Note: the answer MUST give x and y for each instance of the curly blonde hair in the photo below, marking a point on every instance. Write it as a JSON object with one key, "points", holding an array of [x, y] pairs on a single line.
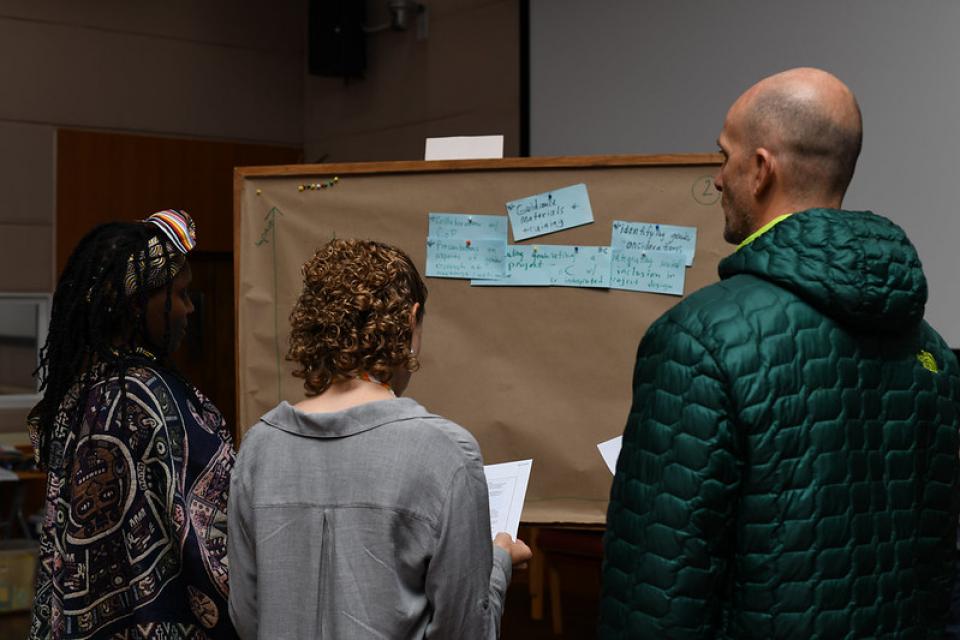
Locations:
{"points": [[353, 315]]}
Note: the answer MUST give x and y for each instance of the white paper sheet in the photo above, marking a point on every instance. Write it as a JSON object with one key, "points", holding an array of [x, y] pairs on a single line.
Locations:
{"points": [[464, 148], [507, 486], [610, 450]]}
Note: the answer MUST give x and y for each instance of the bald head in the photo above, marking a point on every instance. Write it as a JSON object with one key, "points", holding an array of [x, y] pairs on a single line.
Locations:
{"points": [[811, 120]]}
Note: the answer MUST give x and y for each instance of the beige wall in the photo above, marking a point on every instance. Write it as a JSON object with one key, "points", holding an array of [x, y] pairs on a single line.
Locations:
{"points": [[463, 79], [215, 69], [26, 226], [26, 217], [236, 71]]}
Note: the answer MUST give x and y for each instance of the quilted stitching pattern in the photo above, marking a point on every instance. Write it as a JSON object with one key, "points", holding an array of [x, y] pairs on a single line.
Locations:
{"points": [[785, 472], [855, 266]]}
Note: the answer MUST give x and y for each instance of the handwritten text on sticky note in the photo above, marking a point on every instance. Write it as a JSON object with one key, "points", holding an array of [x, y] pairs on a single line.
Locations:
{"points": [[649, 236], [650, 271], [524, 268], [554, 265], [466, 226], [583, 267], [551, 211], [451, 258]]}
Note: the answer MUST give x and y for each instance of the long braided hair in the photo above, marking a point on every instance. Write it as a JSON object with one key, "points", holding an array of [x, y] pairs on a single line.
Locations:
{"points": [[98, 318]]}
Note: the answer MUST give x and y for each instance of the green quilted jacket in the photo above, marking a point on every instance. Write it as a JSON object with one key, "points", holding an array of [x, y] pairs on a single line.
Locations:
{"points": [[790, 461]]}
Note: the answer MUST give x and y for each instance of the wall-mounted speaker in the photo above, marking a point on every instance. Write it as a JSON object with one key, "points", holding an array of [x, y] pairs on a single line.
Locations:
{"points": [[336, 40]]}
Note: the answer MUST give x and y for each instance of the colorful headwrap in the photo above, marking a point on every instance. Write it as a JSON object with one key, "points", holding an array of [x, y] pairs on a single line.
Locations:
{"points": [[178, 226], [166, 252]]}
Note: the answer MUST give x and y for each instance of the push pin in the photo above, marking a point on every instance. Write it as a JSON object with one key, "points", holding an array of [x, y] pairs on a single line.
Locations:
{"points": [[469, 243], [315, 186], [259, 191], [536, 248]]}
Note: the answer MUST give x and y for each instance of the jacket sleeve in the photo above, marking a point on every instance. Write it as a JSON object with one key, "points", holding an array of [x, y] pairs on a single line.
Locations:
{"points": [[672, 505], [242, 552], [467, 576]]}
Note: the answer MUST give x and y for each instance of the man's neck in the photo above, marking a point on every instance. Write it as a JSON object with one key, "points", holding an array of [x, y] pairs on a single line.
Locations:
{"points": [[779, 206]]}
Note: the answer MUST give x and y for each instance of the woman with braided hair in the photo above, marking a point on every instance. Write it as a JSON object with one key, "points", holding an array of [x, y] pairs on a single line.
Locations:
{"points": [[133, 541]]}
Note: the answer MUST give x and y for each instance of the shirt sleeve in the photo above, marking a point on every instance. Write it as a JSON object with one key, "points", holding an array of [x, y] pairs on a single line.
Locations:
{"points": [[242, 553], [672, 504], [467, 576]]}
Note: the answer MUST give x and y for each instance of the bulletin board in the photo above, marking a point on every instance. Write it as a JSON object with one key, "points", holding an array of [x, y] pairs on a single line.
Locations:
{"points": [[533, 372]]}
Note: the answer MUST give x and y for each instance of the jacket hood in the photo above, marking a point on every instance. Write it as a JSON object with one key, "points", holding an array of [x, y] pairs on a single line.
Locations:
{"points": [[854, 266]]}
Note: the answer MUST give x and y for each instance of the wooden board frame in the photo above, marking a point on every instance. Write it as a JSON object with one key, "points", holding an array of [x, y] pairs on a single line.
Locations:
{"points": [[566, 486]]}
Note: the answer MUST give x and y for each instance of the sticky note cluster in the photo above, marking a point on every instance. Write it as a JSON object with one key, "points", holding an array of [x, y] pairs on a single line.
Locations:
{"points": [[642, 256]]}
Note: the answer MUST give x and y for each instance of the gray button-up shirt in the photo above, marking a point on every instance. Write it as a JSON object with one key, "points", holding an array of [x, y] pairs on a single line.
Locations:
{"points": [[371, 522]]}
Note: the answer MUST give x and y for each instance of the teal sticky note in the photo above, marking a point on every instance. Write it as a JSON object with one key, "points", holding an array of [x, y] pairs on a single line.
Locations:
{"points": [[551, 211], [466, 226], [583, 267], [554, 265], [454, 258], [525, 265], [650, 271], [650, 236]]}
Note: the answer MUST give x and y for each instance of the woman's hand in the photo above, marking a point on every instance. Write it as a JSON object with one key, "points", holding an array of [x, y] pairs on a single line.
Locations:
{"points": [[518, 549]]}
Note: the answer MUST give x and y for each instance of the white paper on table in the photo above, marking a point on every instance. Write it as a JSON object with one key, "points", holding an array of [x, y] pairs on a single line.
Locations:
{"points": [[464, 148], [507, 486], [610, 450]]}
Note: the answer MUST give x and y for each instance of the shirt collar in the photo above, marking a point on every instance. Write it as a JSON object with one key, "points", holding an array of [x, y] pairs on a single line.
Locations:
{"points": [[339, 424]]}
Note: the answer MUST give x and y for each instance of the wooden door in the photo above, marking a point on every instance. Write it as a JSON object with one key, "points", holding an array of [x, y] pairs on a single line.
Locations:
{"points": [[107, 176]]}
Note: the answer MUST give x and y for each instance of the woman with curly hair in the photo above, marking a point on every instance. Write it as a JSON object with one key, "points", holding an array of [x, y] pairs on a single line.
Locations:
{"points": [[356, 513], [138, 462]]}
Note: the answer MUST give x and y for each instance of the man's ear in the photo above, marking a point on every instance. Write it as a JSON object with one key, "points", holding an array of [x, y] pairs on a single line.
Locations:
{"points": [[764, 170]]}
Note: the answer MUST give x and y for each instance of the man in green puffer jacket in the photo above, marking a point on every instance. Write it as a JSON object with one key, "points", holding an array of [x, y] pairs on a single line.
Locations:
{"points": [[789, 465]]}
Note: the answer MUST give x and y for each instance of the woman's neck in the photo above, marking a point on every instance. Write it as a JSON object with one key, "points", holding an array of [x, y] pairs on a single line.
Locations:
{"points": [[345, 394]]}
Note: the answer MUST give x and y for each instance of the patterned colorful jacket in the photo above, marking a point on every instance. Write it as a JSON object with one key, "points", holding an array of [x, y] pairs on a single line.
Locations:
{"points": [[790, 462], [133, 543]]}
